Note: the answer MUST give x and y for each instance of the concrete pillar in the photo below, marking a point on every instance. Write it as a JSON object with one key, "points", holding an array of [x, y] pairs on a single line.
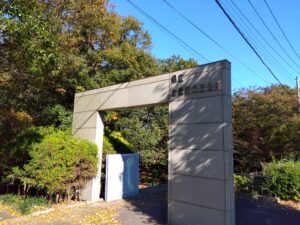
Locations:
{"points": [[200, 150], [90, 126]]}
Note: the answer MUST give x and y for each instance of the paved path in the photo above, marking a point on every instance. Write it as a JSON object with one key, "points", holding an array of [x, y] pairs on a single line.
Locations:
{"points": [[250, 211], [150, 207], [5, 216]]}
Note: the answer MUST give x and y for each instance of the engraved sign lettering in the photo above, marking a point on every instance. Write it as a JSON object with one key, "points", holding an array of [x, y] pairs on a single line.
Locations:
{"points": [[195, 88], [202, 88], [180, 78], [173, 79]]}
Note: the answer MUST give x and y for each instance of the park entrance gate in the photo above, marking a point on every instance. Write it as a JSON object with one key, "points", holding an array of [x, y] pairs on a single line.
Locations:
{"points": [[200, 180]]}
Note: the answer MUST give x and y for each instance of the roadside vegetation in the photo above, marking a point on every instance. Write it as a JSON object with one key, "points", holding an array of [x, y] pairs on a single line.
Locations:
{"points": [[19, 205]]}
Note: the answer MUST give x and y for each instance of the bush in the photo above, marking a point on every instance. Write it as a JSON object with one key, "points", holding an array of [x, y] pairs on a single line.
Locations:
{"points": [[115, 143], [57, 163], [241, 183], [284, 180], [24, 205]]}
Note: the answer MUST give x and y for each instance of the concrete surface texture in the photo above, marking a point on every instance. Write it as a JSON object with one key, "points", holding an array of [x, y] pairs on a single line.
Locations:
{"points": [[200, 154], [200, 139]]}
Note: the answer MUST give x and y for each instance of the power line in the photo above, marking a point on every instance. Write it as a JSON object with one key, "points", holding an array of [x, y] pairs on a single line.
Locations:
{"points": [[237, 82], [164, 29], [212, 39], [280, 28], [255, 41], [271, 33], [254, 28], [259, 45], [250, 45]]}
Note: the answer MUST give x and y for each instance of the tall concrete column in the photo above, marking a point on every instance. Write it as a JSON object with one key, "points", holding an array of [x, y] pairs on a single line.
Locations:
{"points": [[200, 149], [90, 126]]}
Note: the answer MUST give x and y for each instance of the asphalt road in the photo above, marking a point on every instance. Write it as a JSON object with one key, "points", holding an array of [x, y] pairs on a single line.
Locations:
{"points": [[150, 207], [5, 216]]}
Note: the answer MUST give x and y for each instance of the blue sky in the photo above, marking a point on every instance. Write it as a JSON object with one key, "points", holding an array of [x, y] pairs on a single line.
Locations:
{"points": [[207, 15]]}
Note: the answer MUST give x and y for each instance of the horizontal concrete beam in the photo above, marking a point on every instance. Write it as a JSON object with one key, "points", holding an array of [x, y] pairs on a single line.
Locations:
{"points": [[149, 91]]}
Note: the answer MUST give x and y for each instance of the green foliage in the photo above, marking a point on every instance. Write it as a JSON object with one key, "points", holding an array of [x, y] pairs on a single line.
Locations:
{"points": [[284, 179], [265, 126], [49, 51], [120, 144], [17, 152], [24, 205], [58, 116], [60, 163], [108, 148], [115, 143], [49, 159], [175, 63], [241, 183], [146, 129], [29, 56]]}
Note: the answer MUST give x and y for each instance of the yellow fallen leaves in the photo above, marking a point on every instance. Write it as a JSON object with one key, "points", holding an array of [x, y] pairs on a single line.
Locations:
{"points": [[9, 210], [84, 214], [289, 203], [105, 216]]}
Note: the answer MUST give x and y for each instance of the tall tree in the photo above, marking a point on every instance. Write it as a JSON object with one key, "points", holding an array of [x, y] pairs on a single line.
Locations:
{"points": [[28, 59], [53, 48], [266, 126]]}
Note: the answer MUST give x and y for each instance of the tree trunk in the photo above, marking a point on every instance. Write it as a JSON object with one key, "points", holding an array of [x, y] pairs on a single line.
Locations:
{"points": [[24, 189], [57, 197], [19, 189]]}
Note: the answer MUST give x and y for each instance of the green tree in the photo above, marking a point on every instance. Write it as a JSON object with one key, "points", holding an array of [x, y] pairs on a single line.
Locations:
{"points": [[52, 160], [28, 59], [265, 126], [175, 63], [52, 49]]}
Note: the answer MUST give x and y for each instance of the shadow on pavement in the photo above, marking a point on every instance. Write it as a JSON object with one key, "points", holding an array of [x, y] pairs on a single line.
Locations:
{"points": [[262, 211], [150, 207]]}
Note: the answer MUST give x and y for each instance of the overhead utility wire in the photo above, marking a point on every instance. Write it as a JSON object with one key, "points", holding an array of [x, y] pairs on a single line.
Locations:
{"points": [[271, 33], [238, 82], [253, 49], [251, 24], [280, 28], [183, 43], [213, 40], [261, 48]]}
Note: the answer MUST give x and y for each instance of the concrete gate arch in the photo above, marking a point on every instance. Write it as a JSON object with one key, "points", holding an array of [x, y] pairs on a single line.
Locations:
{"points": [[200, 180]]}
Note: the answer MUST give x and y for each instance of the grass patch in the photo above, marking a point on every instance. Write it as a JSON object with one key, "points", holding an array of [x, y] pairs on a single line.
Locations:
{"points": [[24, 205]]}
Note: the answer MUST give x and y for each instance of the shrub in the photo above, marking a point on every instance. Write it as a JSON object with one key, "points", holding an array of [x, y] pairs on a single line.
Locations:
{"points": [[24, 205], [241, 183], [284, 179], [114, 142], [57, 162]]}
